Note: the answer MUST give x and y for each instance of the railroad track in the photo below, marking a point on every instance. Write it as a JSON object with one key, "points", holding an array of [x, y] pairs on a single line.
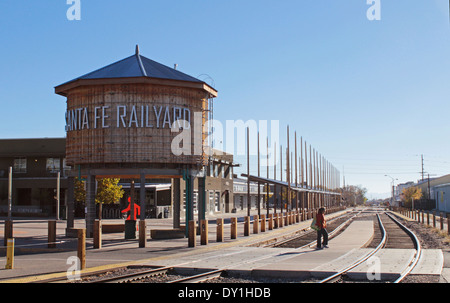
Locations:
{"points": [[309, 238], [201, 277], [392, 236], [162, 271], [135, 276]]}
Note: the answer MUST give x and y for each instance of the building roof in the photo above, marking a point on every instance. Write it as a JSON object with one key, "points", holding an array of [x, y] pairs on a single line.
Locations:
{"points": [[33, 147], [135, 66]]}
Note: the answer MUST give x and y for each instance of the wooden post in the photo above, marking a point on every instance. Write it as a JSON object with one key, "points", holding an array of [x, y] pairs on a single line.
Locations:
{"points": [[255, 224], [203, 232], [51, 234], [8, 231], [434, 219], [191, 233], [97, 234], [441, 217], [233, 228], [142, 233], [82, 247], [219, 235], [263, 223], [448, 224], [270, 221], [428, 218], [247, 226]]}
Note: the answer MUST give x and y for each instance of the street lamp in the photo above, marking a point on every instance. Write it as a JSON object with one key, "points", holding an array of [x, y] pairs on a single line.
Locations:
{"points": [[393, 180]]}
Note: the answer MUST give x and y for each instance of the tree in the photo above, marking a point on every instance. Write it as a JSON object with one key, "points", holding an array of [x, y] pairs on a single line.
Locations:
{"points": [[354, 195], [108, 191], [410, 193], [80, 190]]}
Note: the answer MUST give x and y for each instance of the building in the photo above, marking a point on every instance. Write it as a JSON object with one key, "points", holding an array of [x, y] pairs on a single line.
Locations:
{"points": [[433, 193], [240, 201], [36, 162], [398, 192], [441, 194], [35, 165], [218, 185]]}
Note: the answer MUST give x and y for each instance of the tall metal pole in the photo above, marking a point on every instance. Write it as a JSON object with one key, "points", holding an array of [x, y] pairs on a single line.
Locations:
{"points": [[58, 191], [288, 171], [306, 176], [281, 176], [275, 178], [10, 193], [267, 184], [248, 173], [296, 172], [259, 190]]}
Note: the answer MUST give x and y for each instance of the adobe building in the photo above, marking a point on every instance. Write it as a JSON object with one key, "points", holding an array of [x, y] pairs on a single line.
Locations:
{"points": [[139, 120]]}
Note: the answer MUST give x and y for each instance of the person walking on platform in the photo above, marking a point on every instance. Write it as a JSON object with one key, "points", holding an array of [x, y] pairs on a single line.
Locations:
{"points": [[321, 224]]}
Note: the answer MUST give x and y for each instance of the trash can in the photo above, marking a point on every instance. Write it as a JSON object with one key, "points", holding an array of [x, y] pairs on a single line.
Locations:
{"points": [[130, 229]]}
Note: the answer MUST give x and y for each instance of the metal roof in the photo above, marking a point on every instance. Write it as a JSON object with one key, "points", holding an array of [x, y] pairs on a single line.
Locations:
{"points": [[137, 66]]}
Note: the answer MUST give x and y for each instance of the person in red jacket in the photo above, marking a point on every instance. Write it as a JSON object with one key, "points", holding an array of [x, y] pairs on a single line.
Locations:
{"points": [[321, 223]]}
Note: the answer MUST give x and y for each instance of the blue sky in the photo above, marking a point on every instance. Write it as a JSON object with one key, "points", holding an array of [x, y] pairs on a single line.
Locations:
{"points": [[370, 96]]}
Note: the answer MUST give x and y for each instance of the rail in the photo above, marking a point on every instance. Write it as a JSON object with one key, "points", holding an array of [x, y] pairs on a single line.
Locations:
{"points": [[403, 274], [339, 274], [417, 255], [200, 277]]}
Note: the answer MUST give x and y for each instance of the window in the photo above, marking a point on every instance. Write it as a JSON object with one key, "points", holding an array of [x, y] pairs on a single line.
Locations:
{"points": [[66, 168], [20, 165], [53, 165]]}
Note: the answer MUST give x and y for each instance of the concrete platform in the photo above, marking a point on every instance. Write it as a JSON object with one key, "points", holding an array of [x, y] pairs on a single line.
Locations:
{"points": [[391, 263], [308, 262]]}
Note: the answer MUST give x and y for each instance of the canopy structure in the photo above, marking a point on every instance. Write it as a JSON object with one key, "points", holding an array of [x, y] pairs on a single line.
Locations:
{"points": [[292, 185]]}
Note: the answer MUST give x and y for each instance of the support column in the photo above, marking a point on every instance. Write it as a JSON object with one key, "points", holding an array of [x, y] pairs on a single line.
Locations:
{"points": [[176, 202], [142, 197], [90, 205], [189, 180], [201, 201], [70, 203]]}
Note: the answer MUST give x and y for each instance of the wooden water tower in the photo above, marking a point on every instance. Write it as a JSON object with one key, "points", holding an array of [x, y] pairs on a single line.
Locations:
{"points": [[130, 120]]}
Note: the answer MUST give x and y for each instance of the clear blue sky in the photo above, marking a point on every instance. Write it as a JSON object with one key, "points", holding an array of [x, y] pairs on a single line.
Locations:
{"points": [[370, 96]]}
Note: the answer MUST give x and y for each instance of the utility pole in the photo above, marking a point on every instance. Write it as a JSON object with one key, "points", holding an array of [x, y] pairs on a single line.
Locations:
{"points": [[422, 167]]}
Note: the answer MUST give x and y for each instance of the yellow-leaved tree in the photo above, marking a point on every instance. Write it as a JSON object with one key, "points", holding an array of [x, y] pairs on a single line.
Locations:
{"points": [[410, 193], [108, 191]]}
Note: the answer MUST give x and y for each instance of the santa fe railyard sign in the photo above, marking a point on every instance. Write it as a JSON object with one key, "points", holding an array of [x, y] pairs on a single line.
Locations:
{"points": [[127, 116]]}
